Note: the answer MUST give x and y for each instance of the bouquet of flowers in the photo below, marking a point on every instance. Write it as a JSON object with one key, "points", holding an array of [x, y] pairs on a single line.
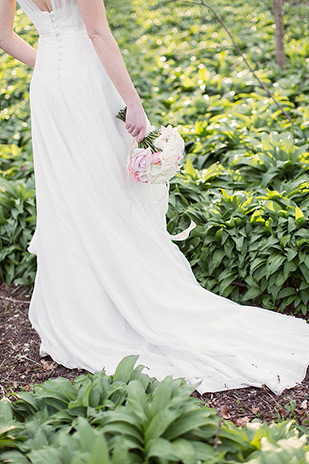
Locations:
{"points": [[157, 158]]}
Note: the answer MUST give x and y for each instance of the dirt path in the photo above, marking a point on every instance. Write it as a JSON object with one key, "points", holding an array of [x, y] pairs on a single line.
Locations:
{"points": [[21, 366]]}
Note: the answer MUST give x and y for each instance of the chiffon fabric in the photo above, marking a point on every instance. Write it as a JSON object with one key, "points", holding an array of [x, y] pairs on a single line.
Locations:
{"points": [[110, 280]]}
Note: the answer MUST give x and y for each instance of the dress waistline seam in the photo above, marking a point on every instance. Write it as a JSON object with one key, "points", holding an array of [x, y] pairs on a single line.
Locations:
{"points": [[60, 32]]}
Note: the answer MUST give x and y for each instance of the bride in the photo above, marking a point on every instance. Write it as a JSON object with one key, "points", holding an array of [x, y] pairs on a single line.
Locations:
{"points": [[110, 280]]}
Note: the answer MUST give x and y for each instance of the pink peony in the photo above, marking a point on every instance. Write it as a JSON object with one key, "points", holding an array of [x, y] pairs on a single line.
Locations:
{"points": [[140, 159], [140, 177], [130, 167], [156, 157], [143, 177]]}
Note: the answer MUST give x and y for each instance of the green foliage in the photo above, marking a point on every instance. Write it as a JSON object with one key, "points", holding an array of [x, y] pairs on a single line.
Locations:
{"points": [[250, 244], [245, 180], [17, 222], [133, 418]]}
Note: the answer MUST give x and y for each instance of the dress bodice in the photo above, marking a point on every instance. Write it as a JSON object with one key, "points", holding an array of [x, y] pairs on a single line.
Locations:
{"points": [[65, 16], [64, 46]]}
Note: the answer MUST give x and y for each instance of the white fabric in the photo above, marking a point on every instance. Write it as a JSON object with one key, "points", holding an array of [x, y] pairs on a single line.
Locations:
{"points": [[110, 281]]}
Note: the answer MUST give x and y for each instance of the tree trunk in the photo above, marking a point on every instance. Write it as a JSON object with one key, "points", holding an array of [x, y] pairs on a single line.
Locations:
{"points": [[279, 33]]}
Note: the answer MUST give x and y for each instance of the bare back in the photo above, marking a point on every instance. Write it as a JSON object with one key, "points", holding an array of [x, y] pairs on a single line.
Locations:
{"points": [[43, 5]]}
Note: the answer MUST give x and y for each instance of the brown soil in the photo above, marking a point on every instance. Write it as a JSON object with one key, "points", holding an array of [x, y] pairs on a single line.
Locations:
{"points": [[21, 366]]}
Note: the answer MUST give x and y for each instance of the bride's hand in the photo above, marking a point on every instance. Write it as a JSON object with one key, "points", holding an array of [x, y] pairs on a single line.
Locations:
{"points": [[136, 121]]}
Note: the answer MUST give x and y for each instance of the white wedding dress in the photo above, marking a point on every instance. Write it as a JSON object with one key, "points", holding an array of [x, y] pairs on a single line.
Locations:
{"points": [[110, 280]]}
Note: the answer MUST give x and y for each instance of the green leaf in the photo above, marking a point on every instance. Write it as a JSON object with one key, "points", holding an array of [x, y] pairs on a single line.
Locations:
{"points": [[286, 292], [189, 166], [99, 452], [161, 396], [121, 453], [137, 400], [272, 206], [298, 213], [188, 422], [6, 413], [252, 293], [125, 428], [273, 263], [289, 266], [185, 451], [291, 254], [161, 448], [125, 368], [160, 423]]}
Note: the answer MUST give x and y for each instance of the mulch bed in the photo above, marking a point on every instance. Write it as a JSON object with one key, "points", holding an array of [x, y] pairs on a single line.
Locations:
{"points": [[21, 366]]}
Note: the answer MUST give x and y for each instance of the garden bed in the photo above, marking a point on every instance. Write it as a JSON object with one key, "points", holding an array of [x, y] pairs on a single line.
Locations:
{"points": [[21, 366]]}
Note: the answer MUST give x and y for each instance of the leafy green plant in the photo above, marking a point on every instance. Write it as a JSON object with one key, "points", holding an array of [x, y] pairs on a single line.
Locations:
{"points": [[133, 418], [248, 245], [17, 224], [16, 163], [278, 161]]}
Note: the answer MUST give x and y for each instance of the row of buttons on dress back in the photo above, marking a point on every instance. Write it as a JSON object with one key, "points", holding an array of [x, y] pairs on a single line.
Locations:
{"points": [[59, 40]]}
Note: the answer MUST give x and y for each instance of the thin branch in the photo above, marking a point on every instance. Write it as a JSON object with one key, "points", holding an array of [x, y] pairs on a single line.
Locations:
{"points": [[23, 356], [202, 2], [198, 49], [13, 300], [16, 289], [215, 445]]}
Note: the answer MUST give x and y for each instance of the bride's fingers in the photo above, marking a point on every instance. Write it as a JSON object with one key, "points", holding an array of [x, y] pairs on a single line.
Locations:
{"points": [[137, 129], [139, 138], [142, 133], [132, 130], [135, 132]]}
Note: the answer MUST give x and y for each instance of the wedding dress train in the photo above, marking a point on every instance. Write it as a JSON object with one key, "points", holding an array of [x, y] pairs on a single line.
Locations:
{"points": [[110, 281]]}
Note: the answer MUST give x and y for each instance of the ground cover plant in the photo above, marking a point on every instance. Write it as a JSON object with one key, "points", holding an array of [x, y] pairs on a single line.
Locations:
{"points": [[21, 366], [131, 417]]}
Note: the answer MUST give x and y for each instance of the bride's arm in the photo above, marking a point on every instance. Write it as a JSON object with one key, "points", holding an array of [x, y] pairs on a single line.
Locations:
{"points": [[10, 42], [106, 47]]}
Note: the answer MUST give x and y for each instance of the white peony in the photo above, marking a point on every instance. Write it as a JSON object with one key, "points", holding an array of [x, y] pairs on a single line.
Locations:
{"points": [[169, 170], [160, 173], [159, 143], [155, 175], [167, 132], [177, 141], [169, 154], [169, 136], [153, 169]]}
